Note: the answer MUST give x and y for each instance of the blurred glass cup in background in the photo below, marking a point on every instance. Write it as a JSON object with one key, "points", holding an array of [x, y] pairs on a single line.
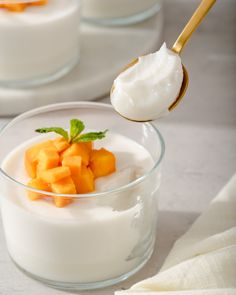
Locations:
{"points": [[39, 43], [122, 12]]}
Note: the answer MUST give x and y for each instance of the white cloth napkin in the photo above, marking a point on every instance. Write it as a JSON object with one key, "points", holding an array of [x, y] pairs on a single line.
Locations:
{"points": [[203, 260]]}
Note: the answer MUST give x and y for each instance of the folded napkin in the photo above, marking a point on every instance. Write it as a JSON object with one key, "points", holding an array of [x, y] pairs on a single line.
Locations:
{"points": [[203, 260]]}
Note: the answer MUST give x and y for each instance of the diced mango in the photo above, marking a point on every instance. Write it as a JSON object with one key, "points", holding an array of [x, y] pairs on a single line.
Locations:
{"points": [[31, 156], [74, 163], [31, 167], [65, 168], [47, 159], [38, 184], [102, 162], [77, 149], [54, 174], [85, 183], [61, 144], [16, 7], [39, 3], [63, 186], [61, 202], [19, 7], [89, 145]]}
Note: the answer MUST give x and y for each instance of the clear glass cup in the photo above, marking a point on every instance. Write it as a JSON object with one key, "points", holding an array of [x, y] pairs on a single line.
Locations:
{"points": [[38, 44], [86, 250], [122, 12]]}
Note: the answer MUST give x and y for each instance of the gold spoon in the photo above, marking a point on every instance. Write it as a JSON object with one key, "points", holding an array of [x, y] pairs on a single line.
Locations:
{"points": [[179, 44]]}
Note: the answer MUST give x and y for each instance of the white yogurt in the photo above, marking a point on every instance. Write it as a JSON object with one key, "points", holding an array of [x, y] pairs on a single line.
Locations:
{"points": [[146, 90], [92, 239], [115, 9], [40, 41]]}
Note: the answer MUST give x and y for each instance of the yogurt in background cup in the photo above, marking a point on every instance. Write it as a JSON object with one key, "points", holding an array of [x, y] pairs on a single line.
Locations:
{"points": [[101, 238], [39, 44]]}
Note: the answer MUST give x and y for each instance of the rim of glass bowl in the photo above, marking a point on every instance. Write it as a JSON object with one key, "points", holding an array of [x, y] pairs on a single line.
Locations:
{"points": [[60, 106]]}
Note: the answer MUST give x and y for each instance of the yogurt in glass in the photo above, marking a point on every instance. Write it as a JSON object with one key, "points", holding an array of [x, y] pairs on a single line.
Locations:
{"points": [[40, 43], [100, 238]]}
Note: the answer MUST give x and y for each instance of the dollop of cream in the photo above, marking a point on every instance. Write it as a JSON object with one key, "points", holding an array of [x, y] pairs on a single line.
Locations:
{"points": [[146, 90]]}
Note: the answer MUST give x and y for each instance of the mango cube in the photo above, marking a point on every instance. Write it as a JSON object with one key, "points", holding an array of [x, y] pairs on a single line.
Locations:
{"points": [[19, 7], [31, 156], [74, 163], [77, 149], [39, 3], [61, 144], [38, 184], [102, 162], [47, 159], [61, 202], [54, 174], [63, 186], [89, 145], [85, 183], [16, 7]]}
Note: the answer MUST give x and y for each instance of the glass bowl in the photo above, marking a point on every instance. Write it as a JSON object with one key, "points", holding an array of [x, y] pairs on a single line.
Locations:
{"points": [[100, 239], [117, 13], [40, 43]]}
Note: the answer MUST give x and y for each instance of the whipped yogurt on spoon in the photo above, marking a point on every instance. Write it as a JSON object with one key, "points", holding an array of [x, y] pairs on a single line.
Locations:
{"points": [[154, 84], [146, 90]]}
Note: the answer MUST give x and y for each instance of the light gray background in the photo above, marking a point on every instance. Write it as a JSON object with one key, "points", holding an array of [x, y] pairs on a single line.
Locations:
{"points": [[200, 137]]}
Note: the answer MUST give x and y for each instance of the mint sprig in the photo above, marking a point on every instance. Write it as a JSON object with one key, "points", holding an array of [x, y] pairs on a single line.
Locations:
{"points": [[91, 136], [57, 130], [76, 128]]}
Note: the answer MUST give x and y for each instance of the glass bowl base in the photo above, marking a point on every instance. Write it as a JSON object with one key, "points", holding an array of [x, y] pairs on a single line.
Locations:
{"points": [[68, 286], [38, 81]]}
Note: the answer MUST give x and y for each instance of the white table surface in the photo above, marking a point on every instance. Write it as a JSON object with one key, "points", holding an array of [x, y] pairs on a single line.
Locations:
{"points": [[200, 138]]}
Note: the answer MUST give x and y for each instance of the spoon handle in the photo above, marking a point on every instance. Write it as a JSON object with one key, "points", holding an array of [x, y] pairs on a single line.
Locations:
{"points": [[193, 23]]}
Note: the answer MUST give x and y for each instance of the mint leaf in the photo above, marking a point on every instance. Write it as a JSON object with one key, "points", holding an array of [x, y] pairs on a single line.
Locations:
{"points": [[57, 130], [91, 136], [76, 127]]}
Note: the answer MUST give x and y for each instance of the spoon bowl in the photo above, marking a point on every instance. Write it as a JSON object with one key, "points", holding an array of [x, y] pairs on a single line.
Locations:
{"points": [[182, 91], [185, 35], [180, 96]]}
